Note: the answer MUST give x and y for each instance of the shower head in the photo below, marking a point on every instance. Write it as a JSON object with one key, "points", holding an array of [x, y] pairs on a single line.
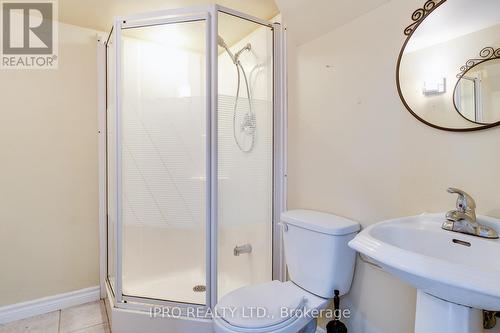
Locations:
{"points": [[247, 47], [234, 57]]}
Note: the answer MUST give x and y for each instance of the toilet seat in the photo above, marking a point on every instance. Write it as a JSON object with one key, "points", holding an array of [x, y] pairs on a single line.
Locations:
{"points": [[258, 308], [282, 327]]}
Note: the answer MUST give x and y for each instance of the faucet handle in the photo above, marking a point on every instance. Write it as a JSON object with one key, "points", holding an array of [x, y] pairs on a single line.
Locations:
{"points": [[464, 201]]}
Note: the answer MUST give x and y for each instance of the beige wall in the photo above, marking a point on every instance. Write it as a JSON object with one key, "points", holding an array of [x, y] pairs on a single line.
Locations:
{"points": [[49, 184], [355, 151]]}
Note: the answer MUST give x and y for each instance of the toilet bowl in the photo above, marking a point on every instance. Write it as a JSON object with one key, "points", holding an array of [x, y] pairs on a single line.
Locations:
{"points": [[319, 261]]}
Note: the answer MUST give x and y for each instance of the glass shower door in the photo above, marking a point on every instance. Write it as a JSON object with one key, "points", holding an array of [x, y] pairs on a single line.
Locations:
{"points": [[245, 127], [161, 159]]}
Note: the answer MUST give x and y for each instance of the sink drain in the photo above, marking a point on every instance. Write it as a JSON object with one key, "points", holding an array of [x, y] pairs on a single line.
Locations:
{"points": [[199, 288]]}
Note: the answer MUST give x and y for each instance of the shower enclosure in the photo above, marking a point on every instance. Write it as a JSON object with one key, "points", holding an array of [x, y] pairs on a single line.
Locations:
{"points": [[194, 167]]}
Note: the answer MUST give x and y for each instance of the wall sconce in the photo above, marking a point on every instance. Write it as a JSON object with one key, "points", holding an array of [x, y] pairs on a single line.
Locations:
{"points": [[434, 87]]}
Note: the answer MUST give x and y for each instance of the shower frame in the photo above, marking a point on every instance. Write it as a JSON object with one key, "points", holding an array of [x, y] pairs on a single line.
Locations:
{"points": [[209, 14]]}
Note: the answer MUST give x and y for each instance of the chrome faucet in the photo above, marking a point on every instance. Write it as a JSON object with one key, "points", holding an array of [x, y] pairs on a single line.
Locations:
{"points": [[464, 220]]}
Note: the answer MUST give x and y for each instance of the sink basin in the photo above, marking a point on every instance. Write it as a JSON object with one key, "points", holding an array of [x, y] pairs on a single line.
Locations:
{"points": [[452, 267]]}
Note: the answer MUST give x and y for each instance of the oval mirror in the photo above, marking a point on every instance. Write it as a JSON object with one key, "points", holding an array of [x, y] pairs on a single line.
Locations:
{"points": [[448, 71]]}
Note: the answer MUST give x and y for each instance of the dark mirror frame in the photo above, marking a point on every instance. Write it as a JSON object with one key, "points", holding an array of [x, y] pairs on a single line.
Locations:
{"points": [[418, 18]]}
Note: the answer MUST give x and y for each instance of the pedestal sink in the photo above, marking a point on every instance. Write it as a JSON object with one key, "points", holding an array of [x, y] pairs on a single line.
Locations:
{"points": [[456, 275]]}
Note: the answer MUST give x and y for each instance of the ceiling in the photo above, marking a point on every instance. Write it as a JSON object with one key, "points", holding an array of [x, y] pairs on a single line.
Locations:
{"points": [[99, 14], [309, 19]]}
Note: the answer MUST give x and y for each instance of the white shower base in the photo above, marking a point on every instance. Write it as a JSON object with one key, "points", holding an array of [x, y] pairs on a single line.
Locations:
{"points": [[133, 321], [177, 287]]}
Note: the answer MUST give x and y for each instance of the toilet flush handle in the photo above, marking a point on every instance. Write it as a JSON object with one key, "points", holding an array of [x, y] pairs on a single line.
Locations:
{"points": [[284, 226]]}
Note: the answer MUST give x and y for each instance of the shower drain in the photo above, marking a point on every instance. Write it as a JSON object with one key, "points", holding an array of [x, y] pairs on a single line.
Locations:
{"points": [[199, 288]]}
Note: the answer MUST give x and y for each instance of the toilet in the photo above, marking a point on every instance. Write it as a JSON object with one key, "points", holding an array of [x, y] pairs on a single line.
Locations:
{"points": [[318, 260]]}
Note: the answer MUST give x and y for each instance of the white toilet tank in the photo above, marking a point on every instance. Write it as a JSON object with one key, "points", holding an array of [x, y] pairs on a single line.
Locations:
{"points": [[316, 251]]}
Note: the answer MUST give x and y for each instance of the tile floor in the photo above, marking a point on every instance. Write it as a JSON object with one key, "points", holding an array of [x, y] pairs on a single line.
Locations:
{"points": [[86, 318]]}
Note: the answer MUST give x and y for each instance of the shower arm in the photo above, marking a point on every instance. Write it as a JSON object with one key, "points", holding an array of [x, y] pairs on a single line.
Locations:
{"points": [[223, 44]]}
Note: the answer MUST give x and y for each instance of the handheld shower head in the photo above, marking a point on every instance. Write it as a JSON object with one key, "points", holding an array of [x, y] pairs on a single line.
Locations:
{"points": [[234, 57], [247, 47]]}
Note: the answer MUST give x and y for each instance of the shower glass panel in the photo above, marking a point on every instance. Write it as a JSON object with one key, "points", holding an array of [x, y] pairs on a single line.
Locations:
{"points": [[245, 152], [110, 162], [163, 162]]}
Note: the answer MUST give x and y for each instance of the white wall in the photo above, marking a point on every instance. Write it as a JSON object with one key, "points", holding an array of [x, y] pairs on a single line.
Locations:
{"points": [[355, 151], [49, 184]]}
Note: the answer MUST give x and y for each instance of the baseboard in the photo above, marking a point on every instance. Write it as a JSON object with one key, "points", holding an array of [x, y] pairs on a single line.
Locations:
{"points": [[48, 304]]}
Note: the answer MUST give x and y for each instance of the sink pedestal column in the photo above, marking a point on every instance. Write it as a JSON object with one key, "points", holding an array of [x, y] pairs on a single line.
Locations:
{"points": [[435, 315]]}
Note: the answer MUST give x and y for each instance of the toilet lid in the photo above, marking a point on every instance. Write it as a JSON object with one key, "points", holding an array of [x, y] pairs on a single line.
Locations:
{"points": [[261, 305]]}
